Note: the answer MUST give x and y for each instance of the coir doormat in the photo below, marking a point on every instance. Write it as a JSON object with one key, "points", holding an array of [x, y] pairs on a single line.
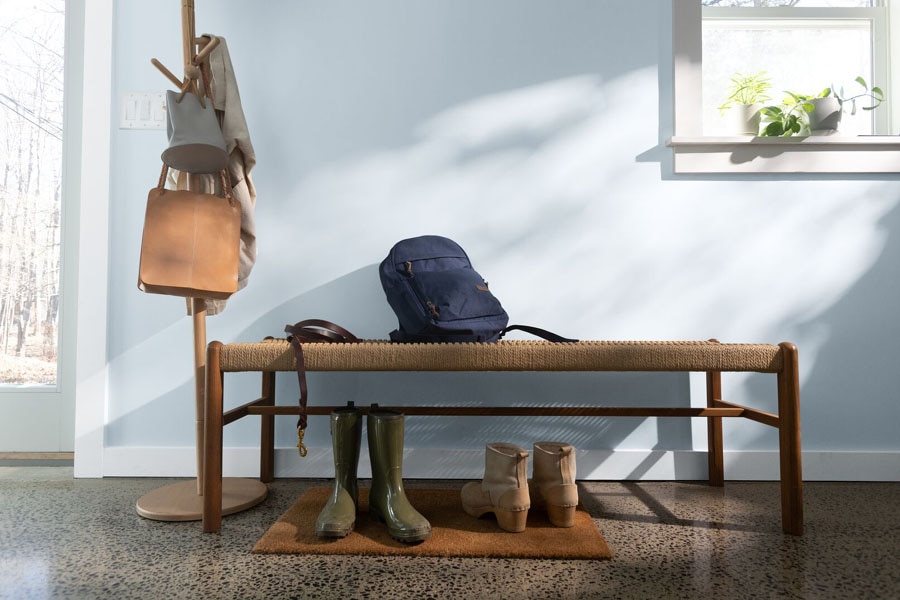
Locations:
{"points": [[453, 532]]}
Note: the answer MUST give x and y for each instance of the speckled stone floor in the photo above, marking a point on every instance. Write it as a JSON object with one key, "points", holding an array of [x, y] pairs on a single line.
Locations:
{"points": [[67, 538]]}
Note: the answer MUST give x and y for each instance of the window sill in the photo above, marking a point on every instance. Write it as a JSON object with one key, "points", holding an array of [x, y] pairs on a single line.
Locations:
{"points": [[810, 154]]}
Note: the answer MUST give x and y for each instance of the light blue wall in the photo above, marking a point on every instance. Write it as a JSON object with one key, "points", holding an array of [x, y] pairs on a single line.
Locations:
{"points": [[531, 133]]}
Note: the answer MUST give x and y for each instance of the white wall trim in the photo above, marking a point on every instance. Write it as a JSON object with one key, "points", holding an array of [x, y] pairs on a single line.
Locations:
{"points": [[429, 463], [92, 240]]}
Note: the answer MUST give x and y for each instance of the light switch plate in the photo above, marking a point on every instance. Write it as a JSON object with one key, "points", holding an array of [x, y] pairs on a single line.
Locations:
{"points": [[143, 110]]}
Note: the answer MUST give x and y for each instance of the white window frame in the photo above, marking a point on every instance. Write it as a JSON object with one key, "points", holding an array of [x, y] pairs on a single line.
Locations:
{"points": [[695, 153], [92, 120]]}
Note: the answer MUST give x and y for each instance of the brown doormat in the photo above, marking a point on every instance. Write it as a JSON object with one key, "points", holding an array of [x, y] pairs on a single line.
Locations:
{"points": [[453, 532]]}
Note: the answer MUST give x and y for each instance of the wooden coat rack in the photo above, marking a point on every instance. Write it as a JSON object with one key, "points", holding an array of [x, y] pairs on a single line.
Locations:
{"points": [[183, 501]]}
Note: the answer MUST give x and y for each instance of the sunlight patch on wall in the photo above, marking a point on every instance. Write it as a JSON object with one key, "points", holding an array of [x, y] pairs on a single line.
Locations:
{"points": [[542, 187]]}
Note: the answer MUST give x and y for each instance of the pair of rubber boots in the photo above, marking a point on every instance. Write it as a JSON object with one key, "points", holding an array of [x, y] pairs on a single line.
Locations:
{"points": [[387, 499], [507, 492]]}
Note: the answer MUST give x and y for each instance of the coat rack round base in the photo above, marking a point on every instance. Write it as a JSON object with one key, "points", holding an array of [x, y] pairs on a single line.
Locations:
{"points": [[181, 502]]}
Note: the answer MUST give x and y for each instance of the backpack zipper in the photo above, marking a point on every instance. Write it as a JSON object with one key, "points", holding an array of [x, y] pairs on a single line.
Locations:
{"points": [[432, 308]]}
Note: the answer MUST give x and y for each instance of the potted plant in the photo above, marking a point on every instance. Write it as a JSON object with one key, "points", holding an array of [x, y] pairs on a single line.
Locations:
{"points": [[799, 114], [746, 93], [829, 105], [825, 117], [788, 118]]}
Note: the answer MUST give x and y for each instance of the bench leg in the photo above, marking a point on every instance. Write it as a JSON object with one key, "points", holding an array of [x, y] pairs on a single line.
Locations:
{"points": [[715, 451], [212, 441], [267, 433], [789, 442]]}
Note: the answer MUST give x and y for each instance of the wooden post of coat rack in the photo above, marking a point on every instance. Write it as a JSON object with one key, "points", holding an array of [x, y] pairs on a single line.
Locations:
{"points": [[183, 501]]}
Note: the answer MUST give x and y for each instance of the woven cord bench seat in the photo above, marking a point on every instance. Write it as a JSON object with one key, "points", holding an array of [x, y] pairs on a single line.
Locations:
{"points": [[711, 357], [505, 355]]}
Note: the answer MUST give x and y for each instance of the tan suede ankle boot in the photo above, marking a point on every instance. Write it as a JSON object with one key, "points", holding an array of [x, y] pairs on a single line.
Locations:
{"points": [[504, 489], [553, 482]]}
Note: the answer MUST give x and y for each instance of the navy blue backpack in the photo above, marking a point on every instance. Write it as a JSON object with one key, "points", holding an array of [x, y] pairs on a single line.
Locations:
{"points": [[438, 297]]}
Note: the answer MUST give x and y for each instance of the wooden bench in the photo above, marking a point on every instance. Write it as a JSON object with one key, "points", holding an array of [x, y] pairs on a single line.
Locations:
{"points": [[713, 358]]}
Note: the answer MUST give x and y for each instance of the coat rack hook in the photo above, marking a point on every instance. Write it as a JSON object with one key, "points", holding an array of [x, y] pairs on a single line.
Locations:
{"points": [[169, 75], [210, 45]]}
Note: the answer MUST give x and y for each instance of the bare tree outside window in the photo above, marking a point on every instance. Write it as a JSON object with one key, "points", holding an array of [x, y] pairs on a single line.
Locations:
{"points": [[31, 120]]}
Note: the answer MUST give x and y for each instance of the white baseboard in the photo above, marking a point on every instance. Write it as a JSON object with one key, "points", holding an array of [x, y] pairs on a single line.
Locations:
{"points": [[632, 465]]}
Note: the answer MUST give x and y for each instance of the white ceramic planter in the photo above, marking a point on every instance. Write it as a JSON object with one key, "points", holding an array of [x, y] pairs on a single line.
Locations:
{"points": [[826, 116], [744, 119]]}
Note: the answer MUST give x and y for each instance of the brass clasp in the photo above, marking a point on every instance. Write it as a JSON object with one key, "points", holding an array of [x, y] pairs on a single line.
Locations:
{"points": [[301, 447]]}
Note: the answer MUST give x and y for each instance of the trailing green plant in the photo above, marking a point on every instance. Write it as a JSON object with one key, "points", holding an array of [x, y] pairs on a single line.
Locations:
{"points": [[791, 117], [876, 94], [747, 89], [788, 118]]}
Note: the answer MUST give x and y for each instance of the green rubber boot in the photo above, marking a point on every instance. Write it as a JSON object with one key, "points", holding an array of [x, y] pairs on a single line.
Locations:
{"points": [[337, 518], [387, 500]]}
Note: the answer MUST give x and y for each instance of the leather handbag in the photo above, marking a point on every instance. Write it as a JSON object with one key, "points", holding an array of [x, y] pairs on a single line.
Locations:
{"points": [[191, 242]]}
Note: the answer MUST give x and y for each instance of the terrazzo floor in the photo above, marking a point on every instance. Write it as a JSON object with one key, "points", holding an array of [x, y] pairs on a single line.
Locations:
{"points": [[67, 538]]}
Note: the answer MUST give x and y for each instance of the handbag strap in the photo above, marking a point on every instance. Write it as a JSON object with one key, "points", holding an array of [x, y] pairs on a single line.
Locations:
{"points": [[224, 180], [162, 176], [311, 331]]}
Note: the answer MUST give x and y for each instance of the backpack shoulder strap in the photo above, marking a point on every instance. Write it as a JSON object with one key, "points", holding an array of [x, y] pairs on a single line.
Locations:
{"points": [[541, 333]]}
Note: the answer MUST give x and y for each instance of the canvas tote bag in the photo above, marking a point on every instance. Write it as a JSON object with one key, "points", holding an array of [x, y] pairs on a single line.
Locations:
{"points": [[196, 143]]}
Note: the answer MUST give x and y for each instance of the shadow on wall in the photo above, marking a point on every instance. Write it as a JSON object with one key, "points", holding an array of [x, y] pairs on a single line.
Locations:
{"points": [[541, 187], [858, 365], [355, 301], [523, 139]]}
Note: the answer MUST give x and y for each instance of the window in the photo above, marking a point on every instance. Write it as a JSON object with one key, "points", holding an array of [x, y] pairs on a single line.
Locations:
{"points": [[803, 46], [31, 124], [40, 47]]}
